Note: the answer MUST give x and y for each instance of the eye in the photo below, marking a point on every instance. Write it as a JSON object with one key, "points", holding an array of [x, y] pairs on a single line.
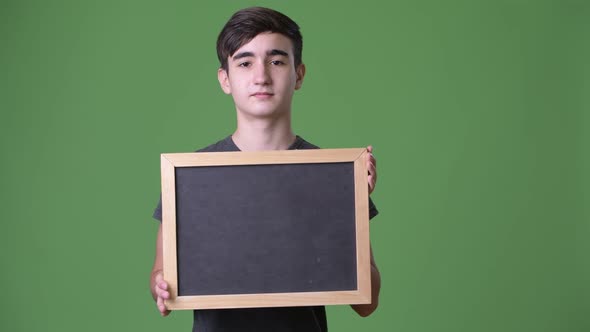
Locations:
{"points": [[277, 62], [244, 64]]}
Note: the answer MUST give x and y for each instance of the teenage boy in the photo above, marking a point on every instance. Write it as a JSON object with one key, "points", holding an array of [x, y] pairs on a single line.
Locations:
{"points": [[260, 54]]}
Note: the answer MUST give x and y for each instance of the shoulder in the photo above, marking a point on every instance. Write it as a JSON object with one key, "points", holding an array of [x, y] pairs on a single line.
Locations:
{"points": [[223, 145], [302, 144]]}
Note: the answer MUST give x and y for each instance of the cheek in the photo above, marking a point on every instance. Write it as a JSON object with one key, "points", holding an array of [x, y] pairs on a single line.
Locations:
{"points": [[237, 87], [288, 83]]}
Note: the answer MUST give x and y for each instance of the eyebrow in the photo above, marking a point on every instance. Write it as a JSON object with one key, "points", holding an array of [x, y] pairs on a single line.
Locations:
{"points": [[249, 54], [277, 52]]}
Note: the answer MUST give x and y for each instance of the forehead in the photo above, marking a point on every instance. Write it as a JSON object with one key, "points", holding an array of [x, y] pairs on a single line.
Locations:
{"points": [[265, 42]]}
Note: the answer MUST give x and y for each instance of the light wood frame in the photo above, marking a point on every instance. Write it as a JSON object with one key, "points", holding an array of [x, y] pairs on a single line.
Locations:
{"points": [[357, 156]]}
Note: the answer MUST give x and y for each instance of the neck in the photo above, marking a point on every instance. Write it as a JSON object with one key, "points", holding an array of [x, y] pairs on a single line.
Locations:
{"points": [[264, 133]]}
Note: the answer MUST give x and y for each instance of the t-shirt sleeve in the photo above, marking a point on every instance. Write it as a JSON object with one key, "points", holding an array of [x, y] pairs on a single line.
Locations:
{"points": [[158, 210], [372, 209]]}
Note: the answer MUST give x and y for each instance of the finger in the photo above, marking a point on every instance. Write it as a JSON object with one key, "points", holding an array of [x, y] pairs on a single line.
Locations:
{"points": [[163, 311], [370, 148], [371, 162], [162, 287], [371, 167], [373, 159], [372, 176], [162, 293], [371, 184], [162, 307], [160, 304]]}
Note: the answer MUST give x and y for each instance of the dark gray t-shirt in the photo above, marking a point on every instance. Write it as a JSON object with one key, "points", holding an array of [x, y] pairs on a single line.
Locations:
{"points": [[288, 319]]}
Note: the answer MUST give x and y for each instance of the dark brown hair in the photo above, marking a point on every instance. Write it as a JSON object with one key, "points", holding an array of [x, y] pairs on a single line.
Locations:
{"points": [[247, 23]]}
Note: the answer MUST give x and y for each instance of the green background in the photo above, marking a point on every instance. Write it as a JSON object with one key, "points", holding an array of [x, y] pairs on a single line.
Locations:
{"points": [[479, 112]]}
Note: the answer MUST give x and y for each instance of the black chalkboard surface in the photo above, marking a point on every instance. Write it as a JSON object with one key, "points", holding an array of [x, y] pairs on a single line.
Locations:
{"points": [[259, 229]]}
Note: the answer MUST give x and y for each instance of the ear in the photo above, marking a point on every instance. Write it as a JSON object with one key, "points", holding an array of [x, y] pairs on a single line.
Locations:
{"points": [[223, 79], [300, 73]]}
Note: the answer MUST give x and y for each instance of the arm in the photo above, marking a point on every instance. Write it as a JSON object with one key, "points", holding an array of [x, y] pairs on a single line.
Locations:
{"points": [[158, 286], [365, 310]]}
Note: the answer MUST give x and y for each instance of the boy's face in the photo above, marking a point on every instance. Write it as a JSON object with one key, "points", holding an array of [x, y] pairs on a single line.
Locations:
{"points": [[261, 76]]}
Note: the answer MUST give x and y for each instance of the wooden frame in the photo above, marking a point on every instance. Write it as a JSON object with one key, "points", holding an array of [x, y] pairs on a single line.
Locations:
{"points": [[356, 156]]}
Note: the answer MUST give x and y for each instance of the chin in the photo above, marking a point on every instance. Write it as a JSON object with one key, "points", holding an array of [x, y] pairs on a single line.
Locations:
{"points": [[264, 113]]}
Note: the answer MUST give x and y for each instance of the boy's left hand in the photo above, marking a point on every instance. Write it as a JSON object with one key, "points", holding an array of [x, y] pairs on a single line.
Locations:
{"points": [[372, 168]]}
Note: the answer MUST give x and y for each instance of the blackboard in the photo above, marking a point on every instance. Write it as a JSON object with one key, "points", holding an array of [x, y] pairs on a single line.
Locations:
{"points": [[260, 229]]}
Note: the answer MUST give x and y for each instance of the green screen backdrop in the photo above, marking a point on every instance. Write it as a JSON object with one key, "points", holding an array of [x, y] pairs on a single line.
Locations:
{"points": [[479, 112]]}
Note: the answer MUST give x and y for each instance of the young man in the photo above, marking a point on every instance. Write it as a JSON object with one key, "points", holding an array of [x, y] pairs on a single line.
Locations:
{"points": [[260, 54]]}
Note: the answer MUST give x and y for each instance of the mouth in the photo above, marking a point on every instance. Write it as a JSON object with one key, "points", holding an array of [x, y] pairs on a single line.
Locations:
{"points": [[262, 95]]}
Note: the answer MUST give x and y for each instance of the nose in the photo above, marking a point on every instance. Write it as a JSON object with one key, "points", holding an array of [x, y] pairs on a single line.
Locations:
{"points": [[262, 74]]}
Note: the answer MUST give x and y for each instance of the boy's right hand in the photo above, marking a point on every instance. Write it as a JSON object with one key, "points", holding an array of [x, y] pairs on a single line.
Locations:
{"points": [[161, 291]]}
